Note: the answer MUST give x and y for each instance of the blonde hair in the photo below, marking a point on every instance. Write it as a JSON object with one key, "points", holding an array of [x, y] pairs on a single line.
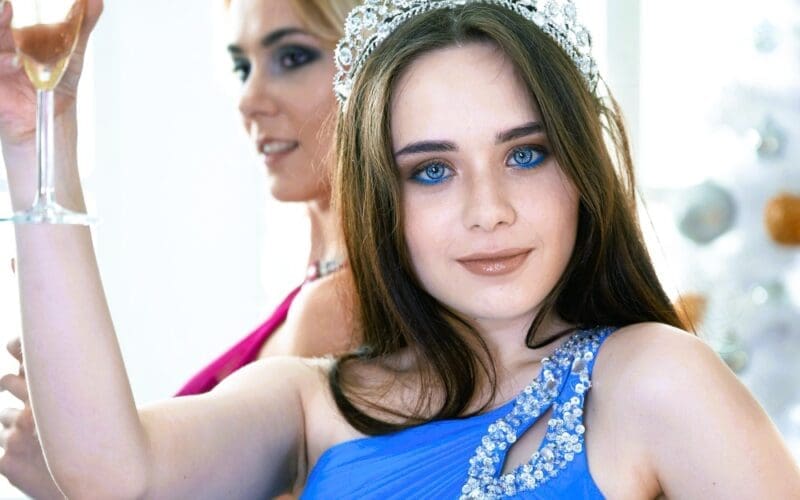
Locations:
{"points": [[324, 18]]}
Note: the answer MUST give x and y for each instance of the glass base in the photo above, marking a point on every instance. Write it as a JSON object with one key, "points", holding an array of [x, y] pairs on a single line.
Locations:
{"points": [[51, 213]]}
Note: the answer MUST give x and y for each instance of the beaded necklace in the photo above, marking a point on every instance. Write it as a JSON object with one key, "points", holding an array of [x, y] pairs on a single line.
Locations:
{"points": [[321, 268]]}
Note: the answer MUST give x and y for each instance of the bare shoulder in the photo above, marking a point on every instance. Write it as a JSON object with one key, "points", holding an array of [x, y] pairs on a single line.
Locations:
{"points": [[649, 352], [321, 317], [652, 366], [661, 369], [697, 427]]}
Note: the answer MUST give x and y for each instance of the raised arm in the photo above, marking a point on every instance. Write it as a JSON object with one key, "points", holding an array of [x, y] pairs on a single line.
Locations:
{"points": [[241, 441]]}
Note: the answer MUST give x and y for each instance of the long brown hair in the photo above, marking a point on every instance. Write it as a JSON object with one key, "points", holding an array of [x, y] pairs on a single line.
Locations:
{"points": [[609, 279]]}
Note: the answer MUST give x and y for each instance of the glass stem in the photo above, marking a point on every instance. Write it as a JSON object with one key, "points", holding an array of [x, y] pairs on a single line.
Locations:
{"points": [[44, 147]]}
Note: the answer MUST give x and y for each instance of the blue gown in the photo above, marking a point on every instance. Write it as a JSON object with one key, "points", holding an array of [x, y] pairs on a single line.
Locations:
{"points": [[463, 458]]}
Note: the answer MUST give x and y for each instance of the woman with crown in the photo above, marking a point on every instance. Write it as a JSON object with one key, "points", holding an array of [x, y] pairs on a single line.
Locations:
{"points": [[516, 341]]}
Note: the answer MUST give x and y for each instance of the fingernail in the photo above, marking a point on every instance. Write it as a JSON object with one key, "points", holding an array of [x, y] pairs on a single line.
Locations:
{"points": [[15, 61]]}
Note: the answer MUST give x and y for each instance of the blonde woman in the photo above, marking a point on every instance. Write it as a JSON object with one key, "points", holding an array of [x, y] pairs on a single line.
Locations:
{"points": [[282, 51]]}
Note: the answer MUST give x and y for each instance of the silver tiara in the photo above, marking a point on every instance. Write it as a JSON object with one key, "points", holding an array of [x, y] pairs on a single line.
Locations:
{"points": [[369, 24]]}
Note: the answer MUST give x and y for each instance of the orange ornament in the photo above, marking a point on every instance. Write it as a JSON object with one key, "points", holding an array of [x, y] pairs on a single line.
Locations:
{"points": [[782, 219], [691, 309]]}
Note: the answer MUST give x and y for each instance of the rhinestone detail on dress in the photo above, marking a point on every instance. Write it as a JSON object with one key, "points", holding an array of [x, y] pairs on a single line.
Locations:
{"points": [[565, 431]]}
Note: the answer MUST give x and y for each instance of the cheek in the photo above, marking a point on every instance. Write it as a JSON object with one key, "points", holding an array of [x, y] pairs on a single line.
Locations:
{"points": [[560, 220], [313, 108], [414, 230], [426, 233], [313, 120], [310, 102], [547, 209]]}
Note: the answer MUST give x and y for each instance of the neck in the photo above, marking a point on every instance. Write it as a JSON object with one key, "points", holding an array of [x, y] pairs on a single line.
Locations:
{"points": [[326, 239], [513, 360]]}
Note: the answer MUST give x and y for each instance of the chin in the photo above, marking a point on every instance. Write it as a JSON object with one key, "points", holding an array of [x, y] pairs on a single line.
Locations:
{"points": [[502, 316], [297, 192], [487, 309]]}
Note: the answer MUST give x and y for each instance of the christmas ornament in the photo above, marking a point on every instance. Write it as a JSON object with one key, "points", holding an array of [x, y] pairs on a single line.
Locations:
{"points": [[691, 309], [708, 212], [782, 219], [770, 139], [765, 37]]}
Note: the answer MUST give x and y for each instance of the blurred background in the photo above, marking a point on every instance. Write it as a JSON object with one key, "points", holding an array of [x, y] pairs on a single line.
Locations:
{"points": [[719, 169], [194, 254]]}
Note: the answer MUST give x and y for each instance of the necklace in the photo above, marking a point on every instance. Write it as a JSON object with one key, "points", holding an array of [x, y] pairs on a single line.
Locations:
{"points": [[321, 268]]}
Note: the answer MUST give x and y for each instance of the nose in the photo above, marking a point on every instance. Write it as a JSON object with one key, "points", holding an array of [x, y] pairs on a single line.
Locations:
{"points": [[257, 98], [487, 205]]}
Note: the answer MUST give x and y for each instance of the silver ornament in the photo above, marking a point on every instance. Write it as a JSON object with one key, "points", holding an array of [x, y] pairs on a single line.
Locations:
{"points": [[770, 139], [707, 212]]}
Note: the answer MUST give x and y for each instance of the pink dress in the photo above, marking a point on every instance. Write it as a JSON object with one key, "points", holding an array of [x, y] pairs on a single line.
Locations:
{"points": [[244, 352]]}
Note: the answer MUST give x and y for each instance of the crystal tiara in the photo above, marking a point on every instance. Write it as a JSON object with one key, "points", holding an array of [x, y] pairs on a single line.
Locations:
{"points": [[369, 24]]}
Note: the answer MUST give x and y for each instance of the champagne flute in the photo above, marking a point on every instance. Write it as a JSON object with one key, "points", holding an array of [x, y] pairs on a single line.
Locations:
{"points": [[45, 33]]}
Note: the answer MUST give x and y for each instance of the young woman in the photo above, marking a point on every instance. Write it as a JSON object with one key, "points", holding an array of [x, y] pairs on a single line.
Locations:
{"points": [[282, 50], [500, 276]]}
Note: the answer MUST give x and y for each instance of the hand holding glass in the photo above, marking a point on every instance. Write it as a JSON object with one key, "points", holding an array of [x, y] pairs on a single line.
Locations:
{"points": [[45, 33]]}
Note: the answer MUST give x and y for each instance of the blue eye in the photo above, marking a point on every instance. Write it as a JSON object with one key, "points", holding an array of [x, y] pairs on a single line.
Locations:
{"points": [[432, 173], [526, 157]]}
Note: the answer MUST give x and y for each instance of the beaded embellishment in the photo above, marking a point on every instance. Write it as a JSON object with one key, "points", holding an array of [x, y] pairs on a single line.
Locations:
{"points": [[565, 431]]}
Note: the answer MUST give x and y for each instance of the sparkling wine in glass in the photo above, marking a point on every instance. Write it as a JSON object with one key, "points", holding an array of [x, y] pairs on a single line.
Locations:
{"points": [[45, 33]]}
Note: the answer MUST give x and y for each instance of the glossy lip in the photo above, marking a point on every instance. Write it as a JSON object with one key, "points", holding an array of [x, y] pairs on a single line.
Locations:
{"points": [[495, 263], [272, 158]]}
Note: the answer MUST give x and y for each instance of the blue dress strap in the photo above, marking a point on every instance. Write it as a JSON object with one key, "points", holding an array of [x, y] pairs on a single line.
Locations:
{"points": [[562, 385]]}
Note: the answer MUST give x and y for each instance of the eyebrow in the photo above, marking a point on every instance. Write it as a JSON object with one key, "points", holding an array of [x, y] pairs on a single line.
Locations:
{"points": [[427, 147], [531, 128], [271, 38]]}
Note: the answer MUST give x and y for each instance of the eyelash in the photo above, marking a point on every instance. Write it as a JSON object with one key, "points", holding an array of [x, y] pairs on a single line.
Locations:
{"points": [[281, 61], [241, 68], [308, 56], [417, 173], [540, 154]]}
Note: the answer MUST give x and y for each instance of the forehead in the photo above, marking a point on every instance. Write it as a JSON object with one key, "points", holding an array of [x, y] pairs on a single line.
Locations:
{"points": [[252, 19], [461, 91]]}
